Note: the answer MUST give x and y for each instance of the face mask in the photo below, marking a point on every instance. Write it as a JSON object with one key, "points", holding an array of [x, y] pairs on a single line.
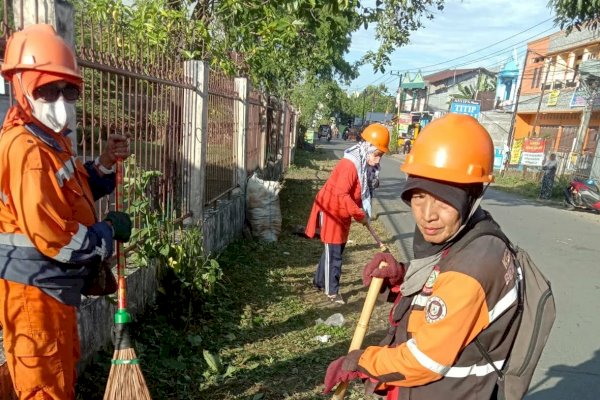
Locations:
{"points": [[55, 115]]}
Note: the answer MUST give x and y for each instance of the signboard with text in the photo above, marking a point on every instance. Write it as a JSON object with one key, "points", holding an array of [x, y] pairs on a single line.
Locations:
{"points": [[464, 106], [515, 152], [533, 152]]}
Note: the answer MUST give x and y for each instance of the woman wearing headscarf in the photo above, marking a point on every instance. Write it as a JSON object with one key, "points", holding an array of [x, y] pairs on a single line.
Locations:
{"points": [[345, 196], [460, 286], [51, 242], [549, 168]]}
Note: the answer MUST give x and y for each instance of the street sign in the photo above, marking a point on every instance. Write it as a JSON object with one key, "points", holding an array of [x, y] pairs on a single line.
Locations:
{"points": [[464, 106]]}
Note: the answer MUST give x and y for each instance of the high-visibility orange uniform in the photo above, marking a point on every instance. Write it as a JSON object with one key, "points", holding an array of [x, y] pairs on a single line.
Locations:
{"points": [[429, 352], [48, 238]]}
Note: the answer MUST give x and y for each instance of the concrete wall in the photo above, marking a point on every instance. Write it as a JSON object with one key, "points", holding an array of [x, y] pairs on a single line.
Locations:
{"points": [[498, 125], [440, 101], [223, 224]]}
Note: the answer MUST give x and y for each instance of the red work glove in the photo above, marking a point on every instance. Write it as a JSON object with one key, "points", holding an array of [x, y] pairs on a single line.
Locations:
{"points": [[344, 369], [393, 273]]}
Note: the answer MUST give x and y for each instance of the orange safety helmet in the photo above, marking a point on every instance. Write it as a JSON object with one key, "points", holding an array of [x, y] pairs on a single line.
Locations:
{"points": [[39, 48], [454, 148], [378, 135]]}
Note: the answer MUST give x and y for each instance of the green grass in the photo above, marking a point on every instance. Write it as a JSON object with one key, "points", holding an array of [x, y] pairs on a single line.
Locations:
{"points": [[260, 327], [529, 185]]}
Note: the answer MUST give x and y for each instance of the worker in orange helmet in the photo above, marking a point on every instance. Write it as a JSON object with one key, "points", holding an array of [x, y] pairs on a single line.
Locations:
{"points": [[51, 243], [459, 294], [345, 196]]}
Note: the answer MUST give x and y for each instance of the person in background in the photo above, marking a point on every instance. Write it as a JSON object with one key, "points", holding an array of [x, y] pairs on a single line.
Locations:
{"points": [[51, 243], [460, 286], [407, 146], [549, 169], [345, 196]]}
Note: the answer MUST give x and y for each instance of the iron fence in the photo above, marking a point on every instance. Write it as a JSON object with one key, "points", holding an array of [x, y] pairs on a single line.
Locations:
{"points": [[221, 142], [135, 90], [254, 133]]}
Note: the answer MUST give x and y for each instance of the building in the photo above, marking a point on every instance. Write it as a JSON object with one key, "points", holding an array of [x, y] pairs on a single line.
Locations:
{"points": [[506, 85], [413, 93], [443, 85], [552, 102]]}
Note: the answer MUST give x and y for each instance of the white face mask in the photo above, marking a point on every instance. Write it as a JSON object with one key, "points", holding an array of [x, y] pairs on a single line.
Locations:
{"points": [[54, 115]]}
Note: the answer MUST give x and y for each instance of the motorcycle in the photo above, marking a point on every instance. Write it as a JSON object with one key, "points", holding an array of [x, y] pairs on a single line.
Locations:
{"points": [[329, 136], [582, 194]]}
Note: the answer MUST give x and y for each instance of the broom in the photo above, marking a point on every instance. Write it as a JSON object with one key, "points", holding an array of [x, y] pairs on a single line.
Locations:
{"points": [[125, 380]]}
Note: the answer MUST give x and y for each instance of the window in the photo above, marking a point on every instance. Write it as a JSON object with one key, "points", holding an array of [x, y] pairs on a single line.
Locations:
{"points": [[536, 73]]}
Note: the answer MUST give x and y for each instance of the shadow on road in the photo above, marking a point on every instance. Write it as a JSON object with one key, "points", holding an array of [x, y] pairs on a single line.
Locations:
{"points": [[581, 382]]}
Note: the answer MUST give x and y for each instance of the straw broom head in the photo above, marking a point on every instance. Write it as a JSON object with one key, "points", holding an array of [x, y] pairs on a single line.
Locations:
{"points": [[125, 380]]}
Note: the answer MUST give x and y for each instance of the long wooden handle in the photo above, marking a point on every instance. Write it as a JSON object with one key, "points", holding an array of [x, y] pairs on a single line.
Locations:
{"points": [[361, 328], [375, 236], [122, 284]]}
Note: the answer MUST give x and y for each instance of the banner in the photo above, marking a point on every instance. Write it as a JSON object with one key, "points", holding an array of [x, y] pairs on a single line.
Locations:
{"points": [[498, 156], [553, 98], [404, 120], [515, 152], [533, 152]]}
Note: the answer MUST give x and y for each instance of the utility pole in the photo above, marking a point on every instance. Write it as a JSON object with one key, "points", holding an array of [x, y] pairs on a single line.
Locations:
{"points": [[541, 98], [511, 132], [589, 80], [399, 75]]}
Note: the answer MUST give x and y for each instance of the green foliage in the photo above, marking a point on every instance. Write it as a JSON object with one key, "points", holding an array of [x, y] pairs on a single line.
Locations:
{"points": [[276, 43], [576, 13], [484, 83], [394, 140], [159, 239]]}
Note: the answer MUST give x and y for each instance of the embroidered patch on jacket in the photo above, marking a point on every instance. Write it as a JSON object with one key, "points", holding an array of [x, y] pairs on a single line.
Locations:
{"points": [[428, 287], [435, 309], [509, 265]]}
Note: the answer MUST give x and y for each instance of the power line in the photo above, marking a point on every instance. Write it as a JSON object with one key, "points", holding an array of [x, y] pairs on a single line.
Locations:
{"points": [[488, 46]]}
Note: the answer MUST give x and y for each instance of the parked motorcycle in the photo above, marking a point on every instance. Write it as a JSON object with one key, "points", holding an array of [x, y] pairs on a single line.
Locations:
{"points": [[583, 194]]}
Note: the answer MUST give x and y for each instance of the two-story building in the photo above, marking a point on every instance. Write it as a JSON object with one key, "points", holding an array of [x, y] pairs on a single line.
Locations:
{"points": [[443, 85], [551, 103]]}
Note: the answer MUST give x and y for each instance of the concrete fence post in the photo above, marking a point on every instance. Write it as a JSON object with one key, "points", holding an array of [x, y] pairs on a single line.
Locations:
{"points": [[194, 144], [241, 87]]}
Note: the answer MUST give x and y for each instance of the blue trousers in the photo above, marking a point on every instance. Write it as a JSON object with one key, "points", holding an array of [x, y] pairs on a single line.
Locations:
{"points": [[329, 270]]}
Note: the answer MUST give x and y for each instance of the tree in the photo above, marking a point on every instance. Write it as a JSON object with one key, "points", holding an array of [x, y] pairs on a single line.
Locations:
{"points": [[275, 42], [484, 84], [576, 13]]}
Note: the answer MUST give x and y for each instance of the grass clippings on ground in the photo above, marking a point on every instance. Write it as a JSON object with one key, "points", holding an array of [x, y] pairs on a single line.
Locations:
{"points": [[257, 338]]}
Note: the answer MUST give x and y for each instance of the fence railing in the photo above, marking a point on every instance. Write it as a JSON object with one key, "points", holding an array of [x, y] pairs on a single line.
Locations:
{"points": [[144, 92]]}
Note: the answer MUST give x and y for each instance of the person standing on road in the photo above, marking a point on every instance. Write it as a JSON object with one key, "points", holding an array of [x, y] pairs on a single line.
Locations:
{"points": [[345, 195], [51, 243], [549, 168], [455, 290]]}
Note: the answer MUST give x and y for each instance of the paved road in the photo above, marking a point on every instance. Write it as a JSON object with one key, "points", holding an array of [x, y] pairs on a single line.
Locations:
{"points": [[565, 244]]}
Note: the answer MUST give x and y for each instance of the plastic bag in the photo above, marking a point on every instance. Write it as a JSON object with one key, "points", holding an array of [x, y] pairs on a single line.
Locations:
{"points": [[264, 212]]}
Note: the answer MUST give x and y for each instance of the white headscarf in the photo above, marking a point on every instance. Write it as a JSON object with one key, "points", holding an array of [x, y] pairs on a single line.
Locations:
{"points": [[358, 154]]}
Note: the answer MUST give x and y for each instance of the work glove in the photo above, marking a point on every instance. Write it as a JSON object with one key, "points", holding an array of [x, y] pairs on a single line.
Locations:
{"points": [[121, 225], [392, 274], [344, 369]]}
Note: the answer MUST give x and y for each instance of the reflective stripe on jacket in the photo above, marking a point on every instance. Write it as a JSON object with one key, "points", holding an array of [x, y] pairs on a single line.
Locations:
{"points": [[430, 354], [48, 227]]}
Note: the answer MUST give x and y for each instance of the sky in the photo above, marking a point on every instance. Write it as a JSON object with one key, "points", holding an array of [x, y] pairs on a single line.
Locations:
{"points": [[463, 27]]}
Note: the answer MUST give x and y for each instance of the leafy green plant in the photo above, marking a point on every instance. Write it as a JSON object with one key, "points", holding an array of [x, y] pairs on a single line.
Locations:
{"points": [[159, 239]]}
